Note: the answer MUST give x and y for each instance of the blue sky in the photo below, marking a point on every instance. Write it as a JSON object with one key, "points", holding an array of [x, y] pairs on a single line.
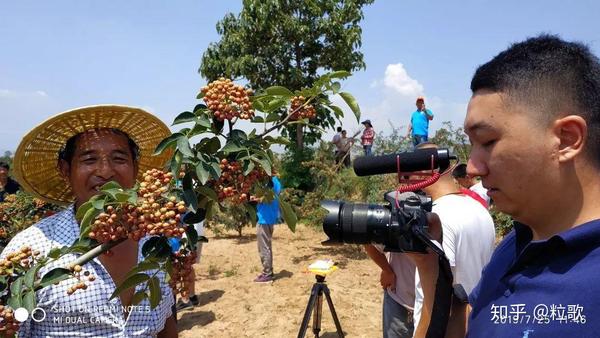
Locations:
{"points": [[58, 55]]}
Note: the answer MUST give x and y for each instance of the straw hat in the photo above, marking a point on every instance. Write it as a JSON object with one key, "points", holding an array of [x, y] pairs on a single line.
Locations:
{"points": [[35, 163]]}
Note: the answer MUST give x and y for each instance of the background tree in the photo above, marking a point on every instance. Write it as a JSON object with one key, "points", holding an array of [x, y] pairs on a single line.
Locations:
{"points": [[288, 43]]}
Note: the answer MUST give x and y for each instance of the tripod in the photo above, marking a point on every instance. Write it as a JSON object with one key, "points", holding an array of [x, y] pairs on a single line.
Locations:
{"points": [[315, 303]]}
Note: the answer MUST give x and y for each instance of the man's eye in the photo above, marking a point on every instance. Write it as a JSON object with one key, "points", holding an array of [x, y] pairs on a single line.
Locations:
{"points": [[89, 160], [120, 160]]}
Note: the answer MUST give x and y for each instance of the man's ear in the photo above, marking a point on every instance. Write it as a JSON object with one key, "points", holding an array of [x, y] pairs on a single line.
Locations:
{"points": [[65, 169], [571, 132]]}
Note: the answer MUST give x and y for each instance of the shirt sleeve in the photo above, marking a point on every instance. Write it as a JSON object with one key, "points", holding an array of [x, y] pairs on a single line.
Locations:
{"points": [[276, 186]]}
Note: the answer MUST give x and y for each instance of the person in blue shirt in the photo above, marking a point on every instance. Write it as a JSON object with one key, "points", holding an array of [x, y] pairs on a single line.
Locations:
{"points": [[268, 214], [418, 127], [534, 125]]}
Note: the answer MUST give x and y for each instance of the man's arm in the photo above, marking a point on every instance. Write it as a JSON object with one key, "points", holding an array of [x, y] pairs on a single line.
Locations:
{"points": [[170, 329], [388, 277], [409, 129], [429, 114]]}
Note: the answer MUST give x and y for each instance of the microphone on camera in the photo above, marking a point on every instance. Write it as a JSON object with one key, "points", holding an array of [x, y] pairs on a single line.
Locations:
{"points": [[420, 159]]}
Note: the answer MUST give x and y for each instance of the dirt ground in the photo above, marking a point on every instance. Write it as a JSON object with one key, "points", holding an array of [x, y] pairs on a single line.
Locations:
{"points": [[232, 305]]}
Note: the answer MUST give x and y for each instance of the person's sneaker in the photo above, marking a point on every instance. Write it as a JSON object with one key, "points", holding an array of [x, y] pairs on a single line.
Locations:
{"points": [[262, 278], [194, 300], [184, 305]]}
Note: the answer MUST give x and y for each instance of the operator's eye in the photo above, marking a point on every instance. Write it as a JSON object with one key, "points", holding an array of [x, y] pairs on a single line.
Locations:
{"points": [[489, 143]]}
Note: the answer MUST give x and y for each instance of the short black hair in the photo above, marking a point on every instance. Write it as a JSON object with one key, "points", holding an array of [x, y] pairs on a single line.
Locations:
{"points": [[66, 153], [460, 171], [4, 165], [550, 75]]}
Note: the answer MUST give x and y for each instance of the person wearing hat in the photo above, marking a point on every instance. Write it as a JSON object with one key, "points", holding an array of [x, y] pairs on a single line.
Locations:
{"points": [[65, 160], [7, 184], [418, 127], [367, 137]]}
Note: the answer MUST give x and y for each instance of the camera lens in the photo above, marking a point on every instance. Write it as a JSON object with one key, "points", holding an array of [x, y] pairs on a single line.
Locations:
{"points": [[356, 223]]}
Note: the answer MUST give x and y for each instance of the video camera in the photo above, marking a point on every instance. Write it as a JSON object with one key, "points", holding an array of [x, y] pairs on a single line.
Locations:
{"points": [[401, 225]]}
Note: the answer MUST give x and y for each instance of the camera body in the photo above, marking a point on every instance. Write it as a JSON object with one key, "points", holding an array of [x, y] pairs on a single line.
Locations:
{"points": [[398, 225]]}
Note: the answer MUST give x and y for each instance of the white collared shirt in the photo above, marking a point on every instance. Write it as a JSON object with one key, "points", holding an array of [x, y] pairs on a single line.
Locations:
{"points": [[85, 313]]}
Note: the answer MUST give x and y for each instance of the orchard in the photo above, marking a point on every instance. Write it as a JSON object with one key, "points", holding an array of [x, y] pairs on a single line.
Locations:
{"points": [[213, 166]]}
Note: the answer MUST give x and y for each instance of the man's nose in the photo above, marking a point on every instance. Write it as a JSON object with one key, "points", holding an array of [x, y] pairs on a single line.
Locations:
{"points": [[476, 166], [105, 168]]}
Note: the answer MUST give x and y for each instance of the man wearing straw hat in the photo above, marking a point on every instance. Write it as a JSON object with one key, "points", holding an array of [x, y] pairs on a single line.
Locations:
{"points": [[65, 160]]}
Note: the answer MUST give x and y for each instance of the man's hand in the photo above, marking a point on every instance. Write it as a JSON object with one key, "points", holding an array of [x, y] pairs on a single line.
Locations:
{"points": [[388, 279]]}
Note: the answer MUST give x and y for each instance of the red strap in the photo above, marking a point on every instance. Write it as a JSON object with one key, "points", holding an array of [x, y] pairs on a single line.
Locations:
{"points": [[474, 196]]}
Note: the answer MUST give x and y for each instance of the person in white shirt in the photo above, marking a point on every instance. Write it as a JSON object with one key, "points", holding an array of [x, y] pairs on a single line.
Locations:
{"points": [[467, 240], [460, 175]]}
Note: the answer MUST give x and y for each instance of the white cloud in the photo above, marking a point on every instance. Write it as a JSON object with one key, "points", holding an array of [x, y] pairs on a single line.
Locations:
{"points": [[5, 93], [397, 79], [41, 93]]}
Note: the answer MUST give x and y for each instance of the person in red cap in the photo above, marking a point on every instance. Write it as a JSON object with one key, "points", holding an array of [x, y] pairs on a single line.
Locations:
{"points": [[418, 127]]}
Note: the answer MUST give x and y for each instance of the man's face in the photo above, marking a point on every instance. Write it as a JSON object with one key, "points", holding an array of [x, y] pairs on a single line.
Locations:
{"points": [[420, 105], [100, 156], [343, 134], [3, 173], [512, 152]]}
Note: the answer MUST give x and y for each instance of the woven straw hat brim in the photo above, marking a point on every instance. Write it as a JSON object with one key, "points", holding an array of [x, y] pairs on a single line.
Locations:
{"points": [[35, 162]]}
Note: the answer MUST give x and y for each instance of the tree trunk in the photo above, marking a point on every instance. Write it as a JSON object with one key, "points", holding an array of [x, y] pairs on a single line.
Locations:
{"points": [[299, 137]]}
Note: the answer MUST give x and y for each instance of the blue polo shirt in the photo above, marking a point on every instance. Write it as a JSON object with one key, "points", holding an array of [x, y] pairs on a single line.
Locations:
{"points": [[548, 288], [420, 123], [268, 212]]}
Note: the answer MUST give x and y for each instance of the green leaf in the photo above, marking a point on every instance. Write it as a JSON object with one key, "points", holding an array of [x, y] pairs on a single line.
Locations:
{"points": [[192, 235], [17, 286], [247, 167], [251, 212], [208, 192], [288, 214], [337, 111], [258, 119], [139, 297], [184, 117], [122, 197], [237, 134], [167, 142], [339, 74], [87, 221], [175, 164], [278, 90], [54, 253], [351, 102], [232, 147], [83, 209], [276, 104], [145, 265], [335, 87], [98, 203], [183, 145], [112, 185], [198, 109], [210, 209], [204, 121], [272, 117], [29, 278], [55, 275], [200, 95], [194, 217], [130, 282], [150, 246], [264, 163], [14, 301], [203, 174], [209, 145], [189, 196], [29, 300], [258, 105]]}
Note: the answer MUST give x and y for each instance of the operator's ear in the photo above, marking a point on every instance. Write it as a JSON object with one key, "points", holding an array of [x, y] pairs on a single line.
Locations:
{"points": [[64, 168], [571, 134]]}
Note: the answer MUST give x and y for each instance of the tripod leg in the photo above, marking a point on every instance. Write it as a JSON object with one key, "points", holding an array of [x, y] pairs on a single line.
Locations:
{"points": [[338, 326], [309, 307], [318, 313]]}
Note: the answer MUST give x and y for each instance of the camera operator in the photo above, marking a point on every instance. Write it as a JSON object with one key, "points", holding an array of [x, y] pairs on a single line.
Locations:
{"points": [[533, 122], [398, 281], [467, 240]]}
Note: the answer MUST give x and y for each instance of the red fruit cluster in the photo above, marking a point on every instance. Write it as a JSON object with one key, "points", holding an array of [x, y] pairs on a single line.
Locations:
{"points": [[182, 262], [23, 259], [233, 185], [298, 111], [81, 277], [228, 100], [8, 324], [156, 213]]}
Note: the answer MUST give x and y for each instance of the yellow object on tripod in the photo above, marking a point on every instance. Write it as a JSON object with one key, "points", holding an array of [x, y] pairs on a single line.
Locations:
{"points": [[322, 267]]}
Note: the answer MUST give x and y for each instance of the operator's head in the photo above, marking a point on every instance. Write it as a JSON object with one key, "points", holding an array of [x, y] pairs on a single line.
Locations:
{"points": [[460, 175], [420, 103], [4, 168], [344, 133], [534, 124]]}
